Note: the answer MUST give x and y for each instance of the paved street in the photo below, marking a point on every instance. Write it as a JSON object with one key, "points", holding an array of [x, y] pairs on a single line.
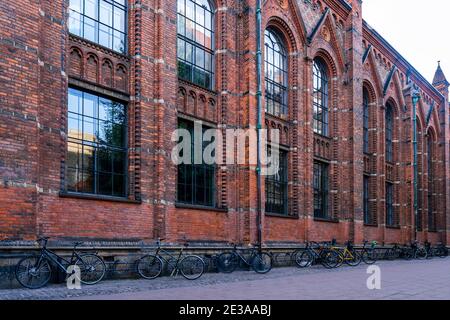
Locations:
{"points": [[399, 280]]}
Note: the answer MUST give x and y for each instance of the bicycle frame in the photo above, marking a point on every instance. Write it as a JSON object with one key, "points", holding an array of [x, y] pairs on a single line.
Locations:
{"points": [[52, 256], [172, 256], [242, 257]]}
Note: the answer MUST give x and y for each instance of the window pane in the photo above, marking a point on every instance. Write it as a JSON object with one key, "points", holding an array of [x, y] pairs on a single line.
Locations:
{"points": [[120, 23], [90, 29], [275, 74], [105, 36], [91, 9], [195, 40], [195, 184], [100, 21], [97, 147], [75, 26]]}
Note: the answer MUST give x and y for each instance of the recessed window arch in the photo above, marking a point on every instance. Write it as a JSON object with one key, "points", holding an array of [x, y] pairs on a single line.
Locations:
{"points": [[389, 132], [366, 120], [276, 74], [431, 187], [195, 46], [320, 97]]}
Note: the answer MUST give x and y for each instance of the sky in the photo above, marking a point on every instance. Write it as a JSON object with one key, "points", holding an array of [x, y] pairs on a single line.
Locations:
{"points": [[419, 30]]}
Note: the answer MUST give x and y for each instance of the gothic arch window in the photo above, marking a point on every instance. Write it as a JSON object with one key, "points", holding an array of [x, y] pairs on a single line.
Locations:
{"points": [[320, 97], [389, 132], [195, 45], [366, 123], [276, 75], [431, 202]]}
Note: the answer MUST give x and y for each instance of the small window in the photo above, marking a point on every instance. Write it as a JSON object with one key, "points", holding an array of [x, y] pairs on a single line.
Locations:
{"points": [[277, 187], [196, 42], [97, 145], [275, 75], [196, 182], [100, 21], [390, 221], [320, 97], [321, 190]]}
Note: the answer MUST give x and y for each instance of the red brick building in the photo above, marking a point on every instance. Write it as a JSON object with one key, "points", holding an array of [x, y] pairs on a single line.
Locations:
{"points": [[91, 92]]}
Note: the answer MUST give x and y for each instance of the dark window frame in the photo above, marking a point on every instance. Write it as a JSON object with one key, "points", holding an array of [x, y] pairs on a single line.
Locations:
{"points": [[105, 154], [366, 122], [389, 133], [276, 93], [390, 210], [98, 24], [188, 193], [189, 69], [368, 219], [321, 190], [277, 187], [321, 93], [430, 167]]}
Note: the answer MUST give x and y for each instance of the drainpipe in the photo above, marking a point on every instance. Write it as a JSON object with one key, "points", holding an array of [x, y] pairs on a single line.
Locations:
{"points": [[259, 117], [415, 100]]}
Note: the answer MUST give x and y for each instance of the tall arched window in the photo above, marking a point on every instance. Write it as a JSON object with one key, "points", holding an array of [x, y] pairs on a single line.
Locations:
{"points": [[196, 42], [389, 123], [320, 97], [431, 204], [276, 76], [366, 120]]}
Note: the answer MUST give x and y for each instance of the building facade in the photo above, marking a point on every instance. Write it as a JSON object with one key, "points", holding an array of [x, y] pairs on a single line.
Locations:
{"points": [[92, 91]]}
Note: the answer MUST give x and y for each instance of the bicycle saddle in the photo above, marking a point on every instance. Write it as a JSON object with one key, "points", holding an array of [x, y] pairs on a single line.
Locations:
{"points": [[79, 243], [43, 239]]}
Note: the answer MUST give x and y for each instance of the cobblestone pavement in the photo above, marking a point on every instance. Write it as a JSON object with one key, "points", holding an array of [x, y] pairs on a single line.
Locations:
{"points": [[400, 280]]}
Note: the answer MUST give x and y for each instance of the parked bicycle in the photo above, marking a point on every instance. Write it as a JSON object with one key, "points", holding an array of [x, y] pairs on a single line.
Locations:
{"points": [[347, 255], [441, 250], [369, 254], [316, 253], [151, 266], [260, 262], [438, 251], [414, 251], [393, 253], [35, 271]]}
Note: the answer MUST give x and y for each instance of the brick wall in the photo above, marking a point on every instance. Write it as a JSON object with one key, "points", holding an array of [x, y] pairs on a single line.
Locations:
{"points": [[39, 60]]}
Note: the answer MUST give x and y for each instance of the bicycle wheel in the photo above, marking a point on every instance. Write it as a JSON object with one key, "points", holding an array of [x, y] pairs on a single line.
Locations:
{"points": [[150, 267], [192, 267], [331, 259], [369, 256], [353, 259], [262, 263], [421, 254], [408, 254], [92, 268], [227, 262], [304, 259], [33, 272]]}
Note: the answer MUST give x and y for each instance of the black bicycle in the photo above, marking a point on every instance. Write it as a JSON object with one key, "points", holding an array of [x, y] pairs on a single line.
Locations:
{"points": [[35, 271], [316, 253], [369, 254], [416, 252], [151, 266], [394, 253], [439, 251], [260, 262]]}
